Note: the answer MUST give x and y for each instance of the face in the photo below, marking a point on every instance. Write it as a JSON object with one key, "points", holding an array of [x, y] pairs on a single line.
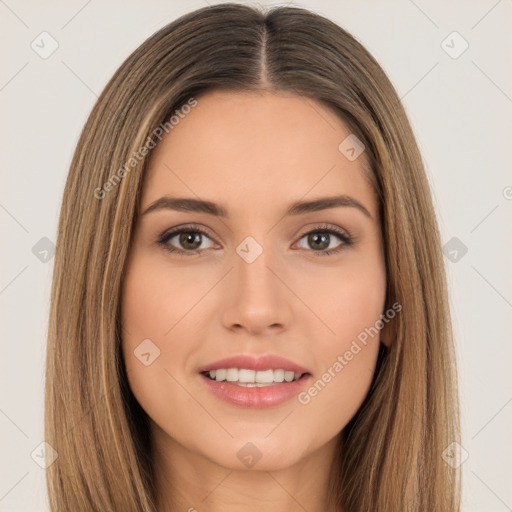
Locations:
{"points": [[265, 285]]}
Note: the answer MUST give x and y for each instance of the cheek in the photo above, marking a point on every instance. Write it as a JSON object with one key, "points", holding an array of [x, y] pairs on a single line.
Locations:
{"points": [[346, 354], [158, 302], [149, 309], [161, 333], [356, 307]]}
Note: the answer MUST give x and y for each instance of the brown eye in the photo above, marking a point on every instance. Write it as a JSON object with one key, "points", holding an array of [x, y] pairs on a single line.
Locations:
{"points": [[190, 240], [186, 241], [320, 239]]}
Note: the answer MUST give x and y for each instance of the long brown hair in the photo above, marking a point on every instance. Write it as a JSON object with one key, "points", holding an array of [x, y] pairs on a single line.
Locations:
{"points": [[391, 455]]}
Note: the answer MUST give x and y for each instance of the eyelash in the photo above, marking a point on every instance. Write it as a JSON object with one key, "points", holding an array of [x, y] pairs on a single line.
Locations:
{"points": [[163, 240]]}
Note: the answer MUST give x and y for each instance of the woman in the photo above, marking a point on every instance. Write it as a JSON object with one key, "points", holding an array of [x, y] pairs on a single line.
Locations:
{"points": [[249, 308]]}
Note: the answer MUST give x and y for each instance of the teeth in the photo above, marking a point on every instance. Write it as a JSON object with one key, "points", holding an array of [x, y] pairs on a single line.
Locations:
{"points": [[220, 375], [278, 375], [246, 376], [265, 377], [232, 375], [252, 378]]}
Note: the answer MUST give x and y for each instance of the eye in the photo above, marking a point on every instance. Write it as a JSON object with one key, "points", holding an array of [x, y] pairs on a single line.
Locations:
{"points": [[321, 238], [189, 240]]}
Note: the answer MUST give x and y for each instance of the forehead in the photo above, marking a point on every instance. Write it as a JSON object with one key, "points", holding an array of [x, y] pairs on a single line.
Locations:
{"points": [[256, 150]]}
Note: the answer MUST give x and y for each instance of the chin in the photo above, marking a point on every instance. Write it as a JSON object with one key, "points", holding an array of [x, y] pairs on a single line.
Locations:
{"points": [[257, 453]]}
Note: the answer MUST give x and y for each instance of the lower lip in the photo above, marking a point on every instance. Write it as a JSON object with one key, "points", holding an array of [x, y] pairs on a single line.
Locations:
{"points": [[256, 398]]}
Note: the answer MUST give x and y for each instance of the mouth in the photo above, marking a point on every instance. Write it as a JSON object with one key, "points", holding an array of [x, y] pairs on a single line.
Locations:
{"points": [[254, 382]]}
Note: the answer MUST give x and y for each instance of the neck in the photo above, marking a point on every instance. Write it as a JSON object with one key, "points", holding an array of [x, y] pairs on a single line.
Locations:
{"points": [[188, 481]]}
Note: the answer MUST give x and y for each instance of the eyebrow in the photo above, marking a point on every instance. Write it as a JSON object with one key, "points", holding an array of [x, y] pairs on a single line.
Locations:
{"points": [[180, 204]]}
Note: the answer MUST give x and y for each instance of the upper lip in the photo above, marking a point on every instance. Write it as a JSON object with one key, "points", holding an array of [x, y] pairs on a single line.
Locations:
{"points": [[263, 362]]}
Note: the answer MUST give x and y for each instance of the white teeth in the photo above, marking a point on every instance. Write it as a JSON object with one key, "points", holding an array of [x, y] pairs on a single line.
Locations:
{"points": [[220, 374], [278, 375], [247, 376], [288, 376], [265, 377], [252, 378], [232, 375]]}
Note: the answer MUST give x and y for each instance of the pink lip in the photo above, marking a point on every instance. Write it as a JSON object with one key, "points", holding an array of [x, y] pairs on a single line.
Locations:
{"points": [[265, 362], [255, 398], [258, 398]]}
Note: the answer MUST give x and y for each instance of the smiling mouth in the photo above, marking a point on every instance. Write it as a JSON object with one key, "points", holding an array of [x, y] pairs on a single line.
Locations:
{"points": [[252, 378]]}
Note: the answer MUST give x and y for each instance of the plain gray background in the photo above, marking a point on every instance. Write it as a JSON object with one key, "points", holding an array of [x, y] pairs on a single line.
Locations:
{"points": [[459, 106]]}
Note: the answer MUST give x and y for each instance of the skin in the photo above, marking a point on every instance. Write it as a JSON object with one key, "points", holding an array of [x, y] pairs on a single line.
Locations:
{"points": [[253, 153]]}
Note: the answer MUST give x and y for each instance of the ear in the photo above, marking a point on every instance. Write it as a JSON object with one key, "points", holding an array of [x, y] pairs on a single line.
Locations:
{"points": [[385, 340], [387, 333]]}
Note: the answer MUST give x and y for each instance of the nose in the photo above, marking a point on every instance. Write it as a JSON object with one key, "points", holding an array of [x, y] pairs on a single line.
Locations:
{"points": [[258, 299]]}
